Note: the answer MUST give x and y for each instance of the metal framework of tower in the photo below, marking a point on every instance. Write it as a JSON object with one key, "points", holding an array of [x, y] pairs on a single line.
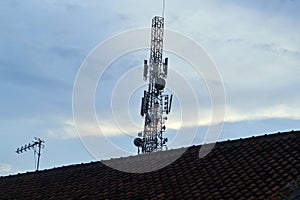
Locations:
{"points": [[155, 104]]}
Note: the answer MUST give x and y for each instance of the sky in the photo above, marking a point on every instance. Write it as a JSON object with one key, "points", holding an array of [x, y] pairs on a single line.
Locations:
{"points": [[254, 45]]}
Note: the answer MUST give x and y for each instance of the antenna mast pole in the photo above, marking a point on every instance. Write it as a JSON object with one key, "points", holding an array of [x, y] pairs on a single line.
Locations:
{"points": [[155, 104], [39, 154]]}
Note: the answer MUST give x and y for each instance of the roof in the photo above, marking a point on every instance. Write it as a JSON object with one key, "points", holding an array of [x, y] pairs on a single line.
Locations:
{"points": [[259, 167]]}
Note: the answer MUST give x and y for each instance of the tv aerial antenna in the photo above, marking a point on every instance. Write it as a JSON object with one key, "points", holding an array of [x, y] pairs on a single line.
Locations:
{"points": [[36, 146], [155, 104]]}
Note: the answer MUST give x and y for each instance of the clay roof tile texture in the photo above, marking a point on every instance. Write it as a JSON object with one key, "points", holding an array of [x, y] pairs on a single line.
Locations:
{"points": [[253, 168]]}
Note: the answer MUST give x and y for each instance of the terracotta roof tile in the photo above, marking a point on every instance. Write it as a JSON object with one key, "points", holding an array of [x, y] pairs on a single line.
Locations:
{"points": [[252, 168]]}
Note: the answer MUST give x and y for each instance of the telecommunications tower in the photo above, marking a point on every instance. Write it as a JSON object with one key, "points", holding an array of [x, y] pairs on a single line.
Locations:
{"points": [[155, 104]]}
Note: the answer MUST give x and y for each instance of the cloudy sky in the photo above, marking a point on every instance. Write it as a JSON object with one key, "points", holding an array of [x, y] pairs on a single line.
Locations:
{"points": [[255, 46]]}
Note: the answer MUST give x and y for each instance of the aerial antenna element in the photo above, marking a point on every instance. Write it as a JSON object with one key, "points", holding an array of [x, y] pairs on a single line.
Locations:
{"points": [[36, 146]]}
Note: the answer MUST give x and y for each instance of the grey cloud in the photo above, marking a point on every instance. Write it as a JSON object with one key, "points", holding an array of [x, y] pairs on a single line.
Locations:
{"points": [[67, 52], [277, 49]]}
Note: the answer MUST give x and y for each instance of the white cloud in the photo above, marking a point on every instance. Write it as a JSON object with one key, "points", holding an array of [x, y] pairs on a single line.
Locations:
{"points": [[68, 129], [5, 168], [64, 131], [277, 111]]}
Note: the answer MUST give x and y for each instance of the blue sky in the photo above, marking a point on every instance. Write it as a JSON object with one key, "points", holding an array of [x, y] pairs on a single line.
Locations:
{"points": [[254, 44]]}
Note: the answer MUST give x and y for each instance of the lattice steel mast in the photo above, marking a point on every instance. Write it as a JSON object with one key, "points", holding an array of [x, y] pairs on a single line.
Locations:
{"points": [[155, 105]]}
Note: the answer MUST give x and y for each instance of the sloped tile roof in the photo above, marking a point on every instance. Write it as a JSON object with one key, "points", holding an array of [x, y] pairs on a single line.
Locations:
{"points": [[253, 168]]}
